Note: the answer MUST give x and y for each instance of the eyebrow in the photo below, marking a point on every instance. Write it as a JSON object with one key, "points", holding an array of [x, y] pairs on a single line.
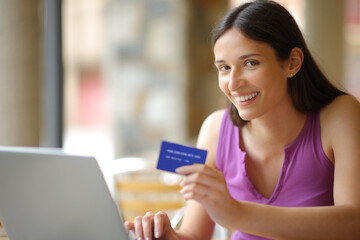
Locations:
{"points": [[241, 57]]}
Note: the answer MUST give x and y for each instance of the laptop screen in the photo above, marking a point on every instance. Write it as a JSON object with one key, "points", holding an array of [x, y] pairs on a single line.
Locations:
{"points": [[48, 194]]}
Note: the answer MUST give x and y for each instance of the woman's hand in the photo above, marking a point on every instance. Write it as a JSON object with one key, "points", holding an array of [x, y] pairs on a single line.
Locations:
{"points": [[152, 226], [207, 186]]}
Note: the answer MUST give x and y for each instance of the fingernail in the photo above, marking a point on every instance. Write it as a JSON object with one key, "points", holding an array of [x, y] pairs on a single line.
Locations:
{"points": [[157, 234], [179, 170]]}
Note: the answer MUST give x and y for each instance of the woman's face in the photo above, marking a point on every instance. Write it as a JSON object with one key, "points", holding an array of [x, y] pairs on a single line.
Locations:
{"points": [[250, 75]]}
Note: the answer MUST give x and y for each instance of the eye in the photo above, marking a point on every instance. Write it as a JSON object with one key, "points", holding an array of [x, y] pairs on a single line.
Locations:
{"points": [[251, 63], [223, 68]]}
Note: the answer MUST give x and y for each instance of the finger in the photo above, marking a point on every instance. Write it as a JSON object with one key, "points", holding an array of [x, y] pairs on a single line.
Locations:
{"points": [[159, 223], [138, 228], [194, 196], [205, 196], [191, 190], [190, 169], [204, 179], [147, 224], [129, 226]]}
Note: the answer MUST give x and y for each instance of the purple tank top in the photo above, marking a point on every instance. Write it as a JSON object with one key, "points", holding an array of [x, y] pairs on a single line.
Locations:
{"points": [[306, 178]]}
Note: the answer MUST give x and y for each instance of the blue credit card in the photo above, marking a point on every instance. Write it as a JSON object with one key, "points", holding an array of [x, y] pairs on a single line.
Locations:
{"points": [[174, 155]]}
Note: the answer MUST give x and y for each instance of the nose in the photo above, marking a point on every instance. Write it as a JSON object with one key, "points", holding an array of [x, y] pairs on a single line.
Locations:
{"points": [[236, 80]]}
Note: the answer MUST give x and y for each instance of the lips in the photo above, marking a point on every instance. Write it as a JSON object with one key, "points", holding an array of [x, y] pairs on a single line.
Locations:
{"points": [[245, 98]]}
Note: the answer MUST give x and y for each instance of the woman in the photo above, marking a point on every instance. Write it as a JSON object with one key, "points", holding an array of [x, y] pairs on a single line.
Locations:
{"points": [[284, 160]]}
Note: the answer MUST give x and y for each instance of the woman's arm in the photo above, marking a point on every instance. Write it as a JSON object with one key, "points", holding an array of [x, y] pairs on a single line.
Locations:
{"points": [[341, 122], [340, 125], [197, 222]]}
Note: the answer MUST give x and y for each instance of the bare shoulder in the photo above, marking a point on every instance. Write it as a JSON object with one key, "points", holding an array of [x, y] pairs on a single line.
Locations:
{"points": [[209, 134], [213, 120], [210, 128], [340, 124], [342, 109]]}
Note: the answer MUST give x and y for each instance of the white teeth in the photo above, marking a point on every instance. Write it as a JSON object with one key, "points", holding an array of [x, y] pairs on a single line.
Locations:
{"points": [[245, 98]]}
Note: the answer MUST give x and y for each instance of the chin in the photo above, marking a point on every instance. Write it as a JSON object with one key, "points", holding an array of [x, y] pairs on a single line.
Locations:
{"points": [[246, 115], [246, 118]]}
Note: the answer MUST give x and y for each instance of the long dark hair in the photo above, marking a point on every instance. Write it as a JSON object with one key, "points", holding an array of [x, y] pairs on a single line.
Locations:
{"points": [[269, 22]]}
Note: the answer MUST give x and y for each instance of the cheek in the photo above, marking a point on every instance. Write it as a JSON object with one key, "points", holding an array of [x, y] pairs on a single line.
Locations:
{"points": [[223, 85]]}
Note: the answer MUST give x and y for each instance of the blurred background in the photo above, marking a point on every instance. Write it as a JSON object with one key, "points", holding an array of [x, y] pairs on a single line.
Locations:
{"points": [[112, 78]]}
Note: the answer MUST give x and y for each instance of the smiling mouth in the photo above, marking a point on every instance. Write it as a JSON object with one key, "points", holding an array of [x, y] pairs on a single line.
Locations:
{"points": [[246, 98]]}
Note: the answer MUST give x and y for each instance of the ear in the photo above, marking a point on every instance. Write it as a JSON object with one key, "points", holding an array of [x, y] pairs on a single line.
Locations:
{"points": [[296, 59]]}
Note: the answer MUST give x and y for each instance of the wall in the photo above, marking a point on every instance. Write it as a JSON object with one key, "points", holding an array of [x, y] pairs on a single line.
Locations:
{"points": [[20, 72]]}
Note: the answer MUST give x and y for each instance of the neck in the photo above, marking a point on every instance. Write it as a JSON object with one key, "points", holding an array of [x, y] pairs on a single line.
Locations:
{"points": [[276, 129]]}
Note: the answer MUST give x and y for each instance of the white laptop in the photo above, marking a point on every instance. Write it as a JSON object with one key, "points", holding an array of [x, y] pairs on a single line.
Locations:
{"points": [[46, 194]]}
